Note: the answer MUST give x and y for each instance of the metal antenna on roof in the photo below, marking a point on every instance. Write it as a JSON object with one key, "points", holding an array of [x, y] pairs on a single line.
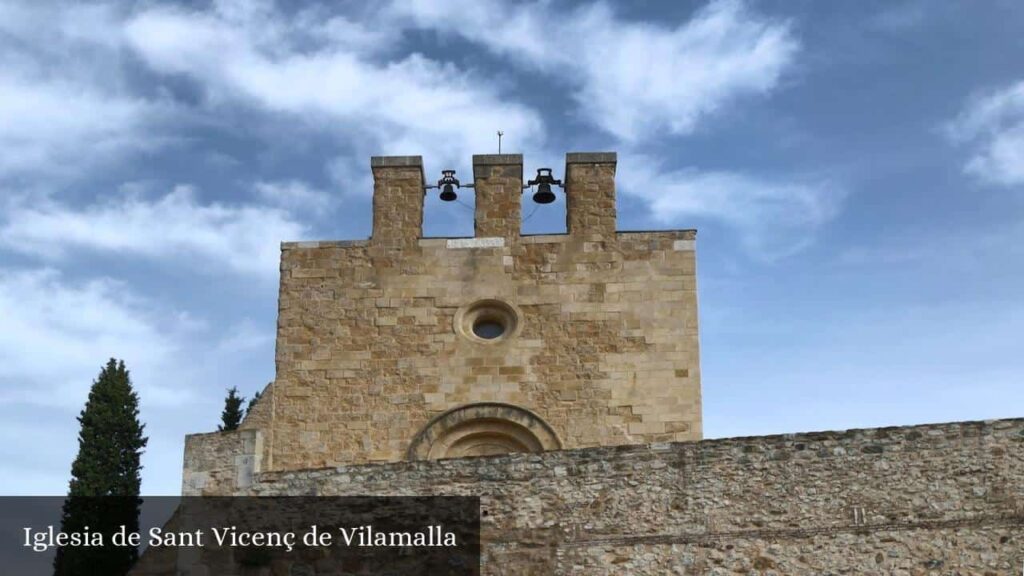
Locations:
{"points": [[500, 134]]}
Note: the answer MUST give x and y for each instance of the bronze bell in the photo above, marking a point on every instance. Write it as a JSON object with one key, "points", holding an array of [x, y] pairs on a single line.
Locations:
{"points": [[448, 183], [543, 182], [448, 193], [544, 195]]}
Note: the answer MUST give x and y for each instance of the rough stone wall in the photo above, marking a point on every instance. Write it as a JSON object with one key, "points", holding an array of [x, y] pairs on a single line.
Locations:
{"points": [[221, 463], [397, 200], [498, 185], [590, 194], [937, 499], [368, 350], [261, 414]]}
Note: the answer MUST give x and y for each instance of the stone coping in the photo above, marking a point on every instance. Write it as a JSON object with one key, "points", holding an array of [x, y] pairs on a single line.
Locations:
{"points": [[869, 441], [497, 159], [558, 238], [324, 244], [396, 161], [591, 158]]}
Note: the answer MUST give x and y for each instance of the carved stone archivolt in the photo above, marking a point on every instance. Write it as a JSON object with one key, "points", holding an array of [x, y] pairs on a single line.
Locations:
{"points": [[483, 429]]}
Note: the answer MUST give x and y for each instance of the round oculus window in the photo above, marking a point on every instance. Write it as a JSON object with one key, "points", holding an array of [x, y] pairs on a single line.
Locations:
{"points": [[487, 321], [488, 328]]}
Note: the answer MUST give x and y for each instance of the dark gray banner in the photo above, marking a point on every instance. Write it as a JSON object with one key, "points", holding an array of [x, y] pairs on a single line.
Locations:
{"points": [[269, 536]]}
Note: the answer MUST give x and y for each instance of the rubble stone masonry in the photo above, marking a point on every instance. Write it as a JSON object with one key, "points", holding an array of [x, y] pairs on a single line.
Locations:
{"points": [[944, 499]]}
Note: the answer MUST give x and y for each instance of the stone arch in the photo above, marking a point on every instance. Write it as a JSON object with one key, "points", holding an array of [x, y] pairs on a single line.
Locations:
{"points": [[483, 429]]}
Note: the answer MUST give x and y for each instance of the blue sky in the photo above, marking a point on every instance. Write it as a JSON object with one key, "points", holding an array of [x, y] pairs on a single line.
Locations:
{"points": [[855, 171]]}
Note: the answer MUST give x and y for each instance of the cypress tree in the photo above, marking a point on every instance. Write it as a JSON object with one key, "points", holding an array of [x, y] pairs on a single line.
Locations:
{"points": [[231, 417], [105, 477]]}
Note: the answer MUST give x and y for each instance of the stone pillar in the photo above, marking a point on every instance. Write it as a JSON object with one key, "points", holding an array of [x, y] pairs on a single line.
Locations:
{"points": [[498, 180], [590, 194], [397, 200]]}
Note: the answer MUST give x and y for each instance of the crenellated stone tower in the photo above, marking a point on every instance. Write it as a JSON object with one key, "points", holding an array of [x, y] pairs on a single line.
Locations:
{"points": [[404, 347]]}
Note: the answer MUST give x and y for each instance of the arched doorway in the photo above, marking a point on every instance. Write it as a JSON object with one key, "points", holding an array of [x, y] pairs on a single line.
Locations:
{"points": [[483, 429]]}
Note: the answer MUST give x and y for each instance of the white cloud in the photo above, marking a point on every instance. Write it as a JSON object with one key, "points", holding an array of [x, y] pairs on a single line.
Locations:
{"points": [[1002, 159], [64, 104], [993, 124], [403, 106], [53, 126], [294, 195], [633, 79], [55, 336], [244, 238], [774, 218]]}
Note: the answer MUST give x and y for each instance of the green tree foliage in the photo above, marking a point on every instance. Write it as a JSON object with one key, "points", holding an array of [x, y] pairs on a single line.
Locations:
{"points": [[105, 476], [231, 417]]}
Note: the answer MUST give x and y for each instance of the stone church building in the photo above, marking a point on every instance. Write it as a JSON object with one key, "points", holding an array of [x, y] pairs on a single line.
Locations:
{"points": [[558, 378]]}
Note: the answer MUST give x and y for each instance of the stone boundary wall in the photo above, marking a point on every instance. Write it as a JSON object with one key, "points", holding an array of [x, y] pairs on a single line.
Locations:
{"points": [[930, 499], [221, 463]]}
